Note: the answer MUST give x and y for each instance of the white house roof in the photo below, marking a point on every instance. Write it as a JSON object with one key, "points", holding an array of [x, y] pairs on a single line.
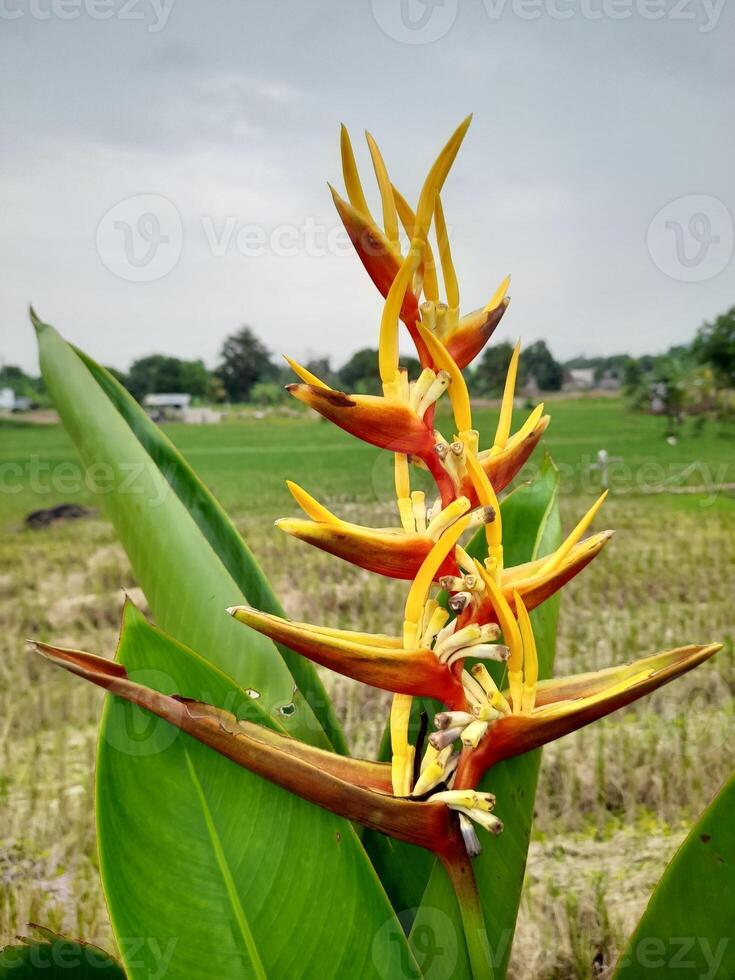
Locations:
{"points": [[167, 401]]}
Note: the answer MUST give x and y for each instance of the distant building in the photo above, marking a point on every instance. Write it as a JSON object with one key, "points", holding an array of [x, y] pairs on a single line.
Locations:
{"points": [[579, 379], [10, 402], [168, 406], [608, 382]]}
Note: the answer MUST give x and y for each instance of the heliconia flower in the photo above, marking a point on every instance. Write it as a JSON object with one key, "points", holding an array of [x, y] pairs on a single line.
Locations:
{"points": [[465, 336], [400, 552], [427, 795], [563, 705], [369, 658], [385, 423]]}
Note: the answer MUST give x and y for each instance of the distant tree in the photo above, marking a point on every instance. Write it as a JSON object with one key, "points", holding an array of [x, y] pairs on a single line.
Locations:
{"points": [[489, 375], [267, 393], [245, 360], [360, 373], [216, 390], [162, 374], [537, 360], [633, 376], [22, 384], [715, 345]]}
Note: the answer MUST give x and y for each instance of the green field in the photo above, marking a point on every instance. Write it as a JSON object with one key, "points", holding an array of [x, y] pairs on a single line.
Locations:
{"points": [[246, 462], [614, 800]]}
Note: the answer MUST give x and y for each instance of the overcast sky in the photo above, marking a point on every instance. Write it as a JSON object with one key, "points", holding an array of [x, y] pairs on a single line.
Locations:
{"points": [[599, 168]]}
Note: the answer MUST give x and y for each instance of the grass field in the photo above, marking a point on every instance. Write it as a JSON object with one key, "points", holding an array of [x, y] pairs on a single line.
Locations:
{"points": [[614, 801]]}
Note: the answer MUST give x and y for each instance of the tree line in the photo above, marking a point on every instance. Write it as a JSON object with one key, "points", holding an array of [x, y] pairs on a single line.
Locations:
{"points": [[247, 371]]}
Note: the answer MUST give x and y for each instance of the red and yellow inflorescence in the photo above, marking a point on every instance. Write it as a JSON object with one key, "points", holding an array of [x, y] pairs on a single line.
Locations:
{"points": [[429, 794], [442, 649]]}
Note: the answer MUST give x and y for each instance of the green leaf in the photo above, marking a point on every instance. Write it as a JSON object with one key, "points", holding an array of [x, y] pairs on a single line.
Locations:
{"points": [[687, 930], [186, 555], [222, 535], [219, 870], [531, 529], [47, 954]]}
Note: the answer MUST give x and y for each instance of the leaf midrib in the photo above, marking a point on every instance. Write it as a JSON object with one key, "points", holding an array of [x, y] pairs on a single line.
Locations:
{"points": [[237, 909]]}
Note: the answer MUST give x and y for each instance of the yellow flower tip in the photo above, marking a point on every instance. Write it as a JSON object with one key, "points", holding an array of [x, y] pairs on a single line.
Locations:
{"points": [[390, 215], [310, 506], [499, 295], [436, 177], [351, 176], [559, 556], [506, 408], [306, 376]]}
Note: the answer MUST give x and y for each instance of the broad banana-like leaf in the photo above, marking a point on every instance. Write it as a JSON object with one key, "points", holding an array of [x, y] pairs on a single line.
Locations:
{"points": [[688, 929], [221, 533], [232, 875], [186, 555], [532, 529], [47, 954]]}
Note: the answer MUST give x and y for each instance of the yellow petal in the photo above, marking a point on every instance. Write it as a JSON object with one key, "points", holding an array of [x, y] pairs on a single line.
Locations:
{"points": [[436, 177], [458, 393], [311, 507], [561, 553], [390, 217], [388, 345], [499, 295], [408, 220], [306, 376], [351, 176], [426, 574], [451, 286], [506, 407]]}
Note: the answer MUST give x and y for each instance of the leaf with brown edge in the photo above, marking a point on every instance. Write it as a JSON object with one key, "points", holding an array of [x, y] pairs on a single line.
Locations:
{"points": [[352, 788], [232, 898]]}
